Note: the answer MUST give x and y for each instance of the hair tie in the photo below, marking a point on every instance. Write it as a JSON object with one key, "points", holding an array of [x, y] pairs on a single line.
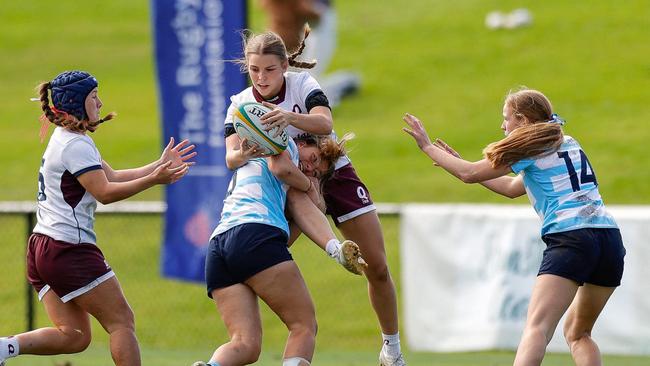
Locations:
{"points": [[556, 119]]}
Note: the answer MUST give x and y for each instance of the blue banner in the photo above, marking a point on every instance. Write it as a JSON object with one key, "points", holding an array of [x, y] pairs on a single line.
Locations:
{"points": [[195, 40]]}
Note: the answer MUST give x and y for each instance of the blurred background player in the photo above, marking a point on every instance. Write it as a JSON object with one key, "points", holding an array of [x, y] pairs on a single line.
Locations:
{"points": [[288, 18], [64, 264], [583, 261], [300, 106]]}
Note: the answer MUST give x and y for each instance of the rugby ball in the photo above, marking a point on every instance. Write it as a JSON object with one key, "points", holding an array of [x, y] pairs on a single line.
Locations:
{"points": [[248, 125]]}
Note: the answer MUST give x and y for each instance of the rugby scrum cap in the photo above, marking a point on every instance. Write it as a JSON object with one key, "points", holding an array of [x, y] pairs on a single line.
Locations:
{"points": [[69, 92]]}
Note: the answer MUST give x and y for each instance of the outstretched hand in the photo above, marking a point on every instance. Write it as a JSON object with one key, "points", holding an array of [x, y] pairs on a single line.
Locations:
{"points": [[277, 118], [166, 174], [416, 130], [179, 154]]}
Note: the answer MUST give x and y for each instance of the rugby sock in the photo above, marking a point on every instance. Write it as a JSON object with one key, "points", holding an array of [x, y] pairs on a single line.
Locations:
{"points": [[295, 361], [391, 344], [333, 248], [8, 347]]}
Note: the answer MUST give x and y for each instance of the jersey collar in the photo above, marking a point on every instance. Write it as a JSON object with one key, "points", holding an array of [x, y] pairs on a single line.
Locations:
{"points": [[276, 99]]}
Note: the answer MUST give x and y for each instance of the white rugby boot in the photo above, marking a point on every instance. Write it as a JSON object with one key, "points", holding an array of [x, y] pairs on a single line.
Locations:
{"points": [[349, 257], [386, 360]]}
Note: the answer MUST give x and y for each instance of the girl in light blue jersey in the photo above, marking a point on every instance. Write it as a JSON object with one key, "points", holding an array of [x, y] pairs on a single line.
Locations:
{"points": [[583, 261], [248, 256]]}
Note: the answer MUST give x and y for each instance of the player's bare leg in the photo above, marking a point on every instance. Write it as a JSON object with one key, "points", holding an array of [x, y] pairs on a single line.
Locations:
{"points": [[295, 307], [581, 317], [551, 297], [365, 230], [240, 313], [70, 333], [107, 304]]}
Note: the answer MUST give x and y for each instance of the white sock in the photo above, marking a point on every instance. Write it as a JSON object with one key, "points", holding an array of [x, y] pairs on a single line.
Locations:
{"points": [[333, 248], [391, 344], [295, 361], [9, 347]]}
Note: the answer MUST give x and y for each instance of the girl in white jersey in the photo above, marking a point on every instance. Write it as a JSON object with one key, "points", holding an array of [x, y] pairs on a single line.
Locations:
{"points": [[299, 106], [64, 264], [583, 261]]}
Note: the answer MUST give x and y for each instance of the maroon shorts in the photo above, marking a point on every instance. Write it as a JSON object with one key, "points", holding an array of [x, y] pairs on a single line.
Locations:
{"points": [[68, 269], [346, 196]]}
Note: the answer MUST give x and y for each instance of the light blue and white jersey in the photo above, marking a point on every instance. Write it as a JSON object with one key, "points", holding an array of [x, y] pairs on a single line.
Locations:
{"points": [[255, 195], [563, 190]]}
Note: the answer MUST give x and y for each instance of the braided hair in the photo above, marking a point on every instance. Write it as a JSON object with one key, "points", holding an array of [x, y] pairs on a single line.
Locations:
{"points": [[270, 43], [69, 91]]}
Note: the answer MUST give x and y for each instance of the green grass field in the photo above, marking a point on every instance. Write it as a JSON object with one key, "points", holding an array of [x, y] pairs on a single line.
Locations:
{"points": [[434, 59]]}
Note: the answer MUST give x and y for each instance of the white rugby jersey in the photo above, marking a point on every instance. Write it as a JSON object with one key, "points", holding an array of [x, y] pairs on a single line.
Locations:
{"points": [[65, 210], [297, 87], [563, 189], [255, 195]]}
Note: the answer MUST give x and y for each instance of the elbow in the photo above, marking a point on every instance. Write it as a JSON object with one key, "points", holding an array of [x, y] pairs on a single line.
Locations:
{"points": [[328, 127], [230, 165], [514, 194], [105, 195], [104, 199]]}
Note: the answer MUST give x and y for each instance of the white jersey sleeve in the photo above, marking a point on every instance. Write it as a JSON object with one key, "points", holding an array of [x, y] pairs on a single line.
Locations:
{"points": [[307, 85], [80, 156]]}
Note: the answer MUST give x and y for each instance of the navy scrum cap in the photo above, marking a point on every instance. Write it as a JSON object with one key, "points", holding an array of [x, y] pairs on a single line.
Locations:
{"points": [[69, 92]]}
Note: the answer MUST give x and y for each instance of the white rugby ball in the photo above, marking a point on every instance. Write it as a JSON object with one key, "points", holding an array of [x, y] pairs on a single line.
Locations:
{"points": [[248, 125]]}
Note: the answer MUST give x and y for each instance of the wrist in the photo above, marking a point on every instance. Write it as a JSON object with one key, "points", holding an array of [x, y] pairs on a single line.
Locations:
{"points": [[427, 147], [309, 187], [293, 118]]}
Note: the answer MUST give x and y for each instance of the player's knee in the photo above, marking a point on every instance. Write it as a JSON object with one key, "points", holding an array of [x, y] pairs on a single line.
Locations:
{"points": [[377, 273], [125, 322], [252, 352], [539, 332], [311, 328], [305, 328], [76, 340], [249, 348], [573, 333]]}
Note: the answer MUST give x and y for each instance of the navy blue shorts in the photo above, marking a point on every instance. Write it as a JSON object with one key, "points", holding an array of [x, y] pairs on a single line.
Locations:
{"points": [[589, 255], [241, 252]]}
